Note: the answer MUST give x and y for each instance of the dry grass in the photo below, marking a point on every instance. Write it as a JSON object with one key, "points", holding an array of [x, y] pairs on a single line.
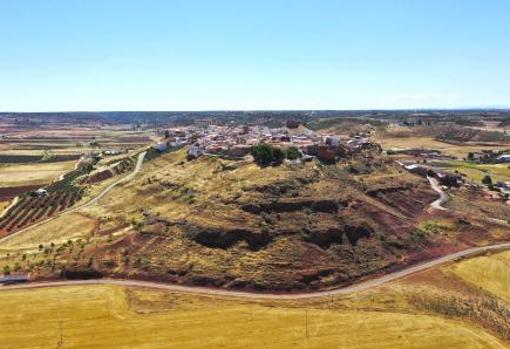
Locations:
{"points": [[114, 317], [4, 205], [59, 230], [491, 273], [33, 174]]}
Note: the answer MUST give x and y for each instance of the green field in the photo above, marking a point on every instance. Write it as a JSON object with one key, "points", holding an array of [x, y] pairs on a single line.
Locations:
{"points": [[475, 172]]}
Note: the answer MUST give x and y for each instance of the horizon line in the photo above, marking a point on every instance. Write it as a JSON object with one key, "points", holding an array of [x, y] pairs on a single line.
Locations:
{"points": [[499, 108]]}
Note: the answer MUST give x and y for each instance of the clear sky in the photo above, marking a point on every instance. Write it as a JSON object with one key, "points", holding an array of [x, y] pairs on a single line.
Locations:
{"points": [[58, 55]]}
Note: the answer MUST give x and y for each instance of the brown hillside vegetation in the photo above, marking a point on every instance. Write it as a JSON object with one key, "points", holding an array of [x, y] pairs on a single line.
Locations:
{"points": [[233, 224], [466, 134]]}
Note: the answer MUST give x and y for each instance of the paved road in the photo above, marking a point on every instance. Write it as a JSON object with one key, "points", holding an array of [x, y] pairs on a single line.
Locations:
{"points": [[362, 286], [437, 204], [127, 178]]}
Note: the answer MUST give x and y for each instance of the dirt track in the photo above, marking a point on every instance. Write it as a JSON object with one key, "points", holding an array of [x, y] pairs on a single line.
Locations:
{"points": [[437, 204], [362, 286]]}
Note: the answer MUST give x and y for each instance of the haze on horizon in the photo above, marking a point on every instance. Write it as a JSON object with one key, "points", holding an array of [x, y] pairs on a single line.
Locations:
{"points": [[202, 55]]}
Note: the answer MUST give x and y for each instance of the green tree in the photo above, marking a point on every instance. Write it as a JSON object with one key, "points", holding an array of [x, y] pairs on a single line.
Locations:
{"points": [[292, 153], [265, 154], [7, 270], [487, 180]]}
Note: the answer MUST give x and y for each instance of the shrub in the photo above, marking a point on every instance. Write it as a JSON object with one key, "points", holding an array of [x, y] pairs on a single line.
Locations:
{"points": [[292, 153], [487, 180], [265, 155]]}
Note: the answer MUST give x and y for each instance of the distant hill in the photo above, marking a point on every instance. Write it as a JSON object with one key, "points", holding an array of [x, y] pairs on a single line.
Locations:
{"points": [[466, 134]]}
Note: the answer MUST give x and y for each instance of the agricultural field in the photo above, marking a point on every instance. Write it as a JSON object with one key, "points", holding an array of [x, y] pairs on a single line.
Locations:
{"points": [[475, 172], [416, 142], [36, 174], [58, 231], [492, 273], [428, 310], [30, 210]]}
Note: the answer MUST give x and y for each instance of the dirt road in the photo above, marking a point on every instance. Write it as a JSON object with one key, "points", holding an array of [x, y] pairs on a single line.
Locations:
{"points": [[437, 204], [125, 179], [362, 286], [91, 202]]}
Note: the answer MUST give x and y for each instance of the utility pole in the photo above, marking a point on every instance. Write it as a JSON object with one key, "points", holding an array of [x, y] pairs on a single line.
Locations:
{"points": [[306, 324], [60, 342]]}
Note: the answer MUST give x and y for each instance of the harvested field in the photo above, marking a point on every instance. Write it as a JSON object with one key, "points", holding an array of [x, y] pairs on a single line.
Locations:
{"points": [[33, 174], [492, 273], [114, 317]]}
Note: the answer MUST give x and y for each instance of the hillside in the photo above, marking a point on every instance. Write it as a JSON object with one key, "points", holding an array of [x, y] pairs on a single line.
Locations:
{"points": [[233, 224]]}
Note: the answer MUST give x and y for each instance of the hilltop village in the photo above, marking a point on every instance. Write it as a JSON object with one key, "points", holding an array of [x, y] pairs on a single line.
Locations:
{"points": [[236, 141]]}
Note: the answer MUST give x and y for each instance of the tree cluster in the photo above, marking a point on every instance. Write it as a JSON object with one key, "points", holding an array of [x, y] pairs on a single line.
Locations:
{"points": [[265, 154]]}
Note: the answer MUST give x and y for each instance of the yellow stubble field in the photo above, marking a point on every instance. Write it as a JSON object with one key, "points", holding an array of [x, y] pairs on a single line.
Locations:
{"points": [[33, 174], [115, 317]]}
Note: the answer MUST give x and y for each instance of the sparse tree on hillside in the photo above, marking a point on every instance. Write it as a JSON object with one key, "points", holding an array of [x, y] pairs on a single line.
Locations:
{"points": [[487, 180]]}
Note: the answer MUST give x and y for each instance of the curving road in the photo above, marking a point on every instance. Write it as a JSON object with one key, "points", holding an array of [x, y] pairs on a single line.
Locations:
{"points": [[127, 178], [362, 286], [437, 204]]}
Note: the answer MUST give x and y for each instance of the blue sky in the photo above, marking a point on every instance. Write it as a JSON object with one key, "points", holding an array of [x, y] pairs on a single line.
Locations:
{"points": [[258, 54]]}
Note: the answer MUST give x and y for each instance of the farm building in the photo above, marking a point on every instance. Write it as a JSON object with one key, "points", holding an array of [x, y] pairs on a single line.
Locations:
{"points": [[161, 147], [504, 158], [41, 192]]}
